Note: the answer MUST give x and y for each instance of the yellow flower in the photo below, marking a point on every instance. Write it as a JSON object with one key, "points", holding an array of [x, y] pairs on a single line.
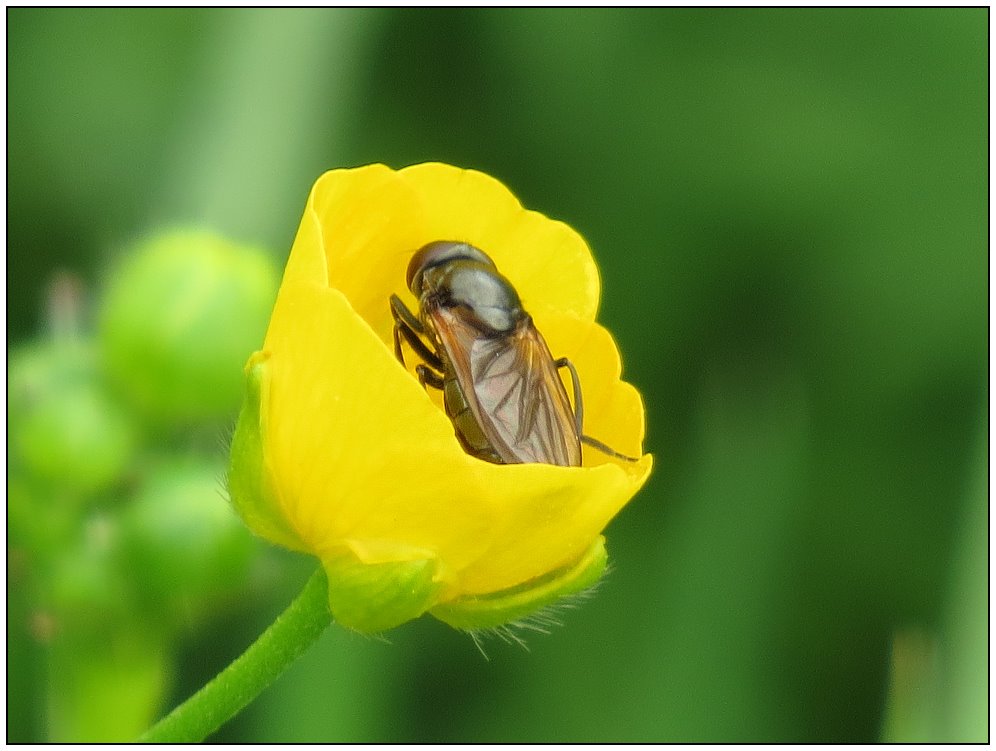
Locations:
{"points": [[341, 453]]}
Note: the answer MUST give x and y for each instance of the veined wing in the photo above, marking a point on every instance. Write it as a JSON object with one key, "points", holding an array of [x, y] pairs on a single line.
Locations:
{"points": [[512, 386]]}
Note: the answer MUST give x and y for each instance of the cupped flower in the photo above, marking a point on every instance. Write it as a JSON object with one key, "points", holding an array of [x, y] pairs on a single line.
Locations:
{"points": [[341, 453]]}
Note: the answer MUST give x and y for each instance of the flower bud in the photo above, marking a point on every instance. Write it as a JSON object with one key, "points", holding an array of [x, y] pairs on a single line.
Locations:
{"points": [[68, 433], [181, 538], [179, 316]]}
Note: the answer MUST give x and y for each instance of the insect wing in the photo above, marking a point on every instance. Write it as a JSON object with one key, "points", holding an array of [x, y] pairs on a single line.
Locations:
{"points": [[514, 391]]}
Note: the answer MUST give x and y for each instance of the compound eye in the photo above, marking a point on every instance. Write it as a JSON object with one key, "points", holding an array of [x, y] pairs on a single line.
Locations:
{"points": [[438, 253]]}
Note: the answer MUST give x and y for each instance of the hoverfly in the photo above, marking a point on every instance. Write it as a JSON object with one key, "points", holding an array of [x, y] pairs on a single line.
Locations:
{"points": [[501, 387]]}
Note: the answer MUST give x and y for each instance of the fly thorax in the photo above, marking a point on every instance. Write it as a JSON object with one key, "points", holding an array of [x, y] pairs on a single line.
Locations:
{"points": [[485, 298]]}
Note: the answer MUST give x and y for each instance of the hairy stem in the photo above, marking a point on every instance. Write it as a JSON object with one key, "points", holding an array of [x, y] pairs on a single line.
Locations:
{"points": [[294, 630]]}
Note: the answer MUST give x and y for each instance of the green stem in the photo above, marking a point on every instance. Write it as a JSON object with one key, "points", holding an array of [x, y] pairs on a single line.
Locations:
{"points": [[296, 629]]}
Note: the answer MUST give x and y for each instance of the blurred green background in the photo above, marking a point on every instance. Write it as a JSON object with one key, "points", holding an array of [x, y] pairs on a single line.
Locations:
{"points": [[789, 209]]}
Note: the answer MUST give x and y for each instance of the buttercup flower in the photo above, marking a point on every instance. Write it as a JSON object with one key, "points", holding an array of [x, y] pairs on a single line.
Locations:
{"points": [[341, 453]]}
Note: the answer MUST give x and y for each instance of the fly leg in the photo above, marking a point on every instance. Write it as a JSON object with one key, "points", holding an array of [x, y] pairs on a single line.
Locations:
{"points": [[407, 325], [563, 362], [428, 377]]}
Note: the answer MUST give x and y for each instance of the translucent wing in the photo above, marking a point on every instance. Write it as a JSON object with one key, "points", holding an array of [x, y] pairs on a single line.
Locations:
{"points": [[512, 388]]}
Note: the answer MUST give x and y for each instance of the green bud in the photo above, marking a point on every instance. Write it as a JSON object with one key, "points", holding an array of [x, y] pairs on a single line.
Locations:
{"points": [[181, 538], [67, 432], [180, 315]]}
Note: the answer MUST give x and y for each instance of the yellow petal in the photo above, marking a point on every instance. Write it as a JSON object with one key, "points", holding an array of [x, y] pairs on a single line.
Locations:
{"points": [[498, 608], [613, 409], [547, 261], [367, 223]]}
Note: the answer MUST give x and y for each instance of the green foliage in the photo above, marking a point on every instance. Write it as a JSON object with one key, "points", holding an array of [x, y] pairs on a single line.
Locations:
{"points": [[119, 531], [789, 210]]}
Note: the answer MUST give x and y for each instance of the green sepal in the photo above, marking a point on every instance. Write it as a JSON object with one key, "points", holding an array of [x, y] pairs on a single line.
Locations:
{"points": [[249, 484], [474, 612], [375, 597]]}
